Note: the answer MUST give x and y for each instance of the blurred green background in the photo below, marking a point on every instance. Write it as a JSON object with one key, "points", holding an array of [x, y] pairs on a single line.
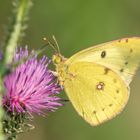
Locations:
{"points": [[78, 24]]}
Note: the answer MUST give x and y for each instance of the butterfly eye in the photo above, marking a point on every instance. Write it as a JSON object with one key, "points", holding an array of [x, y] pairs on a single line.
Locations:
{"points": [[56, 59]]}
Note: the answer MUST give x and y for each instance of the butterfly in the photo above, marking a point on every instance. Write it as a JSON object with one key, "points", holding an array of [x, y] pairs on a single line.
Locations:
{"points": [[96, 80]]}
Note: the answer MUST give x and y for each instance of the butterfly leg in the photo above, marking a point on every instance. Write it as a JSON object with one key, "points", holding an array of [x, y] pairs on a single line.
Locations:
{"points": [[54, 73]]}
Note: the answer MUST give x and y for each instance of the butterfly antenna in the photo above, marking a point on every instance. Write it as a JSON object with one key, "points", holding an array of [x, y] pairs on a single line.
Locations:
{"points": [[56, 43], [50, 44]]}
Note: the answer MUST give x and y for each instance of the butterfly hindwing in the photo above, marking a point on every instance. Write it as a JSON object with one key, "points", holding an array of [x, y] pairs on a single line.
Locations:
{"points": [[97, 93], [121, 56], [97, 79]]}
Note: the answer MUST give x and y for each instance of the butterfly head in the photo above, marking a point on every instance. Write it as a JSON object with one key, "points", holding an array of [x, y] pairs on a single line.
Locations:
{"points": [[59, 62], [58, 59]]}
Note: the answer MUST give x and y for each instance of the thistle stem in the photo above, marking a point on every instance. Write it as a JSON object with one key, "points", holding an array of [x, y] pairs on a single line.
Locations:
{"points": [[1, 111], [16, 31]]}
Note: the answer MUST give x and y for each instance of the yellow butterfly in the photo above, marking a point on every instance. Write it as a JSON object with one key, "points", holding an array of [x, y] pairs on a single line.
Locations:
{"points": [[97, 79]]}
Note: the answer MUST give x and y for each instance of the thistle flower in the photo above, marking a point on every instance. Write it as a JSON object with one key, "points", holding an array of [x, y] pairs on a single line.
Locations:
{"points": [[31, 87]]}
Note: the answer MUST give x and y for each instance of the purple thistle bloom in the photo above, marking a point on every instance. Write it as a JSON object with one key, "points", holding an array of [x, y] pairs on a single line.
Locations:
{"points": [[31, 87]]}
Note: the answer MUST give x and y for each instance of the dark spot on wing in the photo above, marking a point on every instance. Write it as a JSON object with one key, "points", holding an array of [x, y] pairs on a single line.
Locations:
{"points": [[103, 109], [100, 86], [121, 70], [83, 113], [110, 105], [126, 40], [94, 112], [106, 70], [126, 63], [117, 91], [131, 50], [103, 54]]}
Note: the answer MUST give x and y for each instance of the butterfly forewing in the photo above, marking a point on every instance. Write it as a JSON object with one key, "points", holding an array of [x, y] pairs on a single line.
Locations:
{"points": [[121, 56]]}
